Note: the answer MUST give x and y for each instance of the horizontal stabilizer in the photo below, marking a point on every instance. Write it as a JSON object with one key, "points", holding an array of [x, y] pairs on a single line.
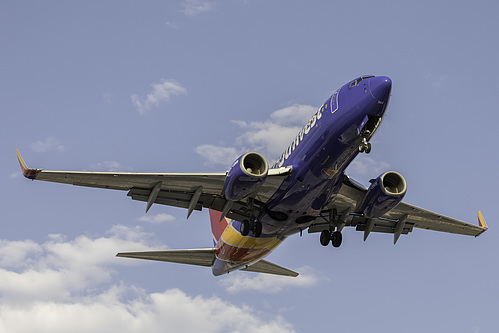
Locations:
{"points": [[199, 257], [204, 257], [263, 266]]}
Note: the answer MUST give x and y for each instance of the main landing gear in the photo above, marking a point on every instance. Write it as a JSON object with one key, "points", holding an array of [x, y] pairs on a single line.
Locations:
{"points": [[251, 224], [336, 225], [255, 226], [334, 237]]}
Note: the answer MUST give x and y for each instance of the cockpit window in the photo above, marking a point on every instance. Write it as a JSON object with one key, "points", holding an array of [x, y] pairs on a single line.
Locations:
{"points": [[357, 81], [354, 83]]}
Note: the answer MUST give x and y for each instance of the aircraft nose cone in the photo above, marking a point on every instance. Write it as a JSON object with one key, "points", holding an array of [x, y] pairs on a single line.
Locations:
{"points": [[380, 88]]}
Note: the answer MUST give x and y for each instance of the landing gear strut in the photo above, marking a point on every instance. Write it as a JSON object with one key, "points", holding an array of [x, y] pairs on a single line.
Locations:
{"points": [[334, 237], [335, 223], [251, 224], [365, 147]]}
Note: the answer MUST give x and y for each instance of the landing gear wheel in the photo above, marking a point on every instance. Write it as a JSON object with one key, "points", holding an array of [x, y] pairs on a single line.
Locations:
{"points": [[364, 147], [245, 227], [258, 229], [325, 237], [368, 148], [336, 238]]}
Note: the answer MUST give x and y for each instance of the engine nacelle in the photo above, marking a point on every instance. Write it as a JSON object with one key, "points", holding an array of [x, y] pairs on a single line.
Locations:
{"points": [[384, 194], [246, 176]]}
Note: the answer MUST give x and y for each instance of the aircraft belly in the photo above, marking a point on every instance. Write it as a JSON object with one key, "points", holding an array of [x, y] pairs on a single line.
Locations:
{"points": [[235, 251], [318, 167], [241, 255], [305, 196]]}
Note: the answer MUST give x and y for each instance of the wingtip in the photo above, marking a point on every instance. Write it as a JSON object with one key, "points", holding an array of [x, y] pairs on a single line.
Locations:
{"points": [[21, 162], [482, 223], [27, 172]]}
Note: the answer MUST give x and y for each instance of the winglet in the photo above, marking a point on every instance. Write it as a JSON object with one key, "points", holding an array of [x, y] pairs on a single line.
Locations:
{"points": [[481, 223], [27, 172]]}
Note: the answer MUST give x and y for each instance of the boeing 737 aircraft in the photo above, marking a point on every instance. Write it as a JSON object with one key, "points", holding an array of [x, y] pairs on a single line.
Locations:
{"points": [[253, 208]]}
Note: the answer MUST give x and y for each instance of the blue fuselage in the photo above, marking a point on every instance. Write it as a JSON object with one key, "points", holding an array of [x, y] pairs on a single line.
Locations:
{"points": [[322, 151], [319, 155]]}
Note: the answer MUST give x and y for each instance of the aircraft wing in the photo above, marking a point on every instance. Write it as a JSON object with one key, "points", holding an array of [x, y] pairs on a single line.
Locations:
{"points": [[400, 220], [185, 190]]}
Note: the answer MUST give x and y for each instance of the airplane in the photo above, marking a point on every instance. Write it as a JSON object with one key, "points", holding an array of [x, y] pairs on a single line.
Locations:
{"points": [[253, 208]]}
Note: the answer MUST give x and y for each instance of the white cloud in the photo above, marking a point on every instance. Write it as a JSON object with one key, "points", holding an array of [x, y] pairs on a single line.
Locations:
{"points": [[161, 93], [437, 80], [15, 175], [172, 25], [66, 286], [107, 97], [196, 7], [109, 166], [266, 283], [269, 137], [272, 136], [14, 253], [218, 154], [173, 310], [364, 166], [158, 218], [295, 115], [49, 144], [57, 268]]}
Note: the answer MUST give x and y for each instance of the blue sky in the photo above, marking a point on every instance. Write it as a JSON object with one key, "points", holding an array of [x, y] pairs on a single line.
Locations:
{"points": [[187, 86]]}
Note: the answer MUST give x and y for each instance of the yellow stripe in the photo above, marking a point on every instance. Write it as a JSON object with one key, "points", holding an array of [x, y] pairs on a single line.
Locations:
{"points": [[482, 221], [23, 165], [234, 238]]}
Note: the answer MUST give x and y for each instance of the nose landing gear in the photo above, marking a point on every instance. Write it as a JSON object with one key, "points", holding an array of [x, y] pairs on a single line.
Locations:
{"points": [[364, 147]]}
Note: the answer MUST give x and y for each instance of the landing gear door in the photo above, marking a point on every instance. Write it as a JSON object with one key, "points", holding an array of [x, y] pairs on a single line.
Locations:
{"points": [[362, 124], [368, 126]]}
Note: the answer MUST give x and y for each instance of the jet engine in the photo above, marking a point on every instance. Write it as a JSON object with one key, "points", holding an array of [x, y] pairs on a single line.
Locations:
{"points": [[384, 194], [246, 176]]}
